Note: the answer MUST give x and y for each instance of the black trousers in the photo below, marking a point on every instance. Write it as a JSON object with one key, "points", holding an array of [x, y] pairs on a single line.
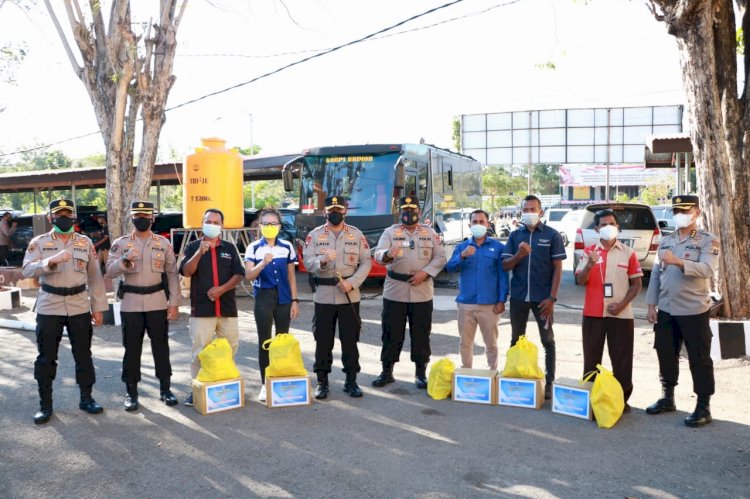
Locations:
{"points": [[267, 311], [519, 317], [324, 331], [619, 334], [134, 326], [670, 331], [393, 320], [49, 329]]}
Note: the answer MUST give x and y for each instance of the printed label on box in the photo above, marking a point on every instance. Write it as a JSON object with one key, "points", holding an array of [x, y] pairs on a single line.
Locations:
{"points": [[517, 393], [286, 392], [571, 401], [473, 389], [223, 396]]}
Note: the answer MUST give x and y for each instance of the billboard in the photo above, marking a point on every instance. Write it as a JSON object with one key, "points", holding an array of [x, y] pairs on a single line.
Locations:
{"points": [[577, 175]]}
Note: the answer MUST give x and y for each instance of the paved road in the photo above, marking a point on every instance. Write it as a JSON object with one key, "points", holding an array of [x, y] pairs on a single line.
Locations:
{"points": [[393, 442]]}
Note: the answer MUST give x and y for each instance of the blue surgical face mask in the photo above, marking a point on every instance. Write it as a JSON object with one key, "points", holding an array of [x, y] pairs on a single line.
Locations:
{"points": [[211, 231], [478, 231]]}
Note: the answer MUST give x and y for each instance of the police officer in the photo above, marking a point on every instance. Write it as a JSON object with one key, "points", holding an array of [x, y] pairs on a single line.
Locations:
{"points": [[150, 294], [679, 288], [65, 262], [335, 250], [413, 255]]}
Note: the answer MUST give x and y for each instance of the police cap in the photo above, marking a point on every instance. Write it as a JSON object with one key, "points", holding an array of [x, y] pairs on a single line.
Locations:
{"points": [[685, 202], [62, 204], [408, 202], [335, 202], [145, 207]]}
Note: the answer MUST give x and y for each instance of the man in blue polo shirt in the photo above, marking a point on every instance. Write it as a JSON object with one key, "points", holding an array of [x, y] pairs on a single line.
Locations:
{"points": [[482, 289], [535, 253]]}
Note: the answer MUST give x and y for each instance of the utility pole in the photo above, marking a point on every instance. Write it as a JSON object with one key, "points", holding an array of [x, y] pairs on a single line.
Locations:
{"points": [[252, 152]]}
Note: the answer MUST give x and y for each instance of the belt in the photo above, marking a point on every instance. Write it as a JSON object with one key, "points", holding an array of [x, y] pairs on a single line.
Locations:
{"points": [[328, 281], [401, 277], [143, 290], [64, 291]]}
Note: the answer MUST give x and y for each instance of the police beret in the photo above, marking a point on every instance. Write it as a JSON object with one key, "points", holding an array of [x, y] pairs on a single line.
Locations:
{"points": [[336, 202], [146, 207], [62, 204], [408, 202], [685, 201]]}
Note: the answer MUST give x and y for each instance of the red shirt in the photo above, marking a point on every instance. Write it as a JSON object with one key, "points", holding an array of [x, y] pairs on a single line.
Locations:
{"points": [[616, 266]]}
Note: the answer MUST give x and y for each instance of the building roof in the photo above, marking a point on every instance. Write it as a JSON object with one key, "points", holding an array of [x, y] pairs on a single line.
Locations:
{"points": [[660, 149]]}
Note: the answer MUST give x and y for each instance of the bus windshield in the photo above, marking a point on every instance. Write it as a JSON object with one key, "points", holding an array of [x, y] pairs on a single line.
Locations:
{"points": [[365, 179]]}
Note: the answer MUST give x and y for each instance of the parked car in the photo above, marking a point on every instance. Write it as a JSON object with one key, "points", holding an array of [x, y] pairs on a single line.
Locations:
{"points": [[665, 218], [21, 238], [164, 223], [638, 229], [553, 217]]}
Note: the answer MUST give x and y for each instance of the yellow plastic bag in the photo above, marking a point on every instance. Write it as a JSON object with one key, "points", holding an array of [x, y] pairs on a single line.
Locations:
{"points": [[440, 381], [284, 356], [217, 362], [522, 361], [607, 397]]}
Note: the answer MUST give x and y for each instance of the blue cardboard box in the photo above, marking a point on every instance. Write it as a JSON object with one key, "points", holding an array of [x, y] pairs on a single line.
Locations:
{"points": [[518, 392], [571, 398], [476, 386], [218, 396], [288, 391]]}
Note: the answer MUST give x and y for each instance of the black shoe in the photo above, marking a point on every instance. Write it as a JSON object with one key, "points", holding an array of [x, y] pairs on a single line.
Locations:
{"points": [[189, 400], [321, 391], [353, 389], [421, 382], [547, 391], [168, 397], [626, 409], [131, 403], [661, 405], [89, 405], [385, 377], [43, 415], [701, 416]]}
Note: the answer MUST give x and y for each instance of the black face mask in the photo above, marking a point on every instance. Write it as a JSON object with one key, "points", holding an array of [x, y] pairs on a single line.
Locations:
{"points": [[409, 217], [142, 224], [335, 218], [63, 223]]}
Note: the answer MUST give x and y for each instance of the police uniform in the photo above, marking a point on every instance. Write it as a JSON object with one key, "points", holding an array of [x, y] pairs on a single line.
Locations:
{"points": [[682, 298], [421, 249], [149, 285], [352, 263], [64, 301]]}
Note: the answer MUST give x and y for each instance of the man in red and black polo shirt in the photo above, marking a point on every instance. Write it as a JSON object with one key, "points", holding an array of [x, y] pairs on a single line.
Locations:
{"points": [[215, 269], [612, 276]]}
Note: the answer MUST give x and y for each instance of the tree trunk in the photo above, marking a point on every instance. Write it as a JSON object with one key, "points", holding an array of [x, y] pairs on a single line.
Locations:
{"points": [[718, 122]]}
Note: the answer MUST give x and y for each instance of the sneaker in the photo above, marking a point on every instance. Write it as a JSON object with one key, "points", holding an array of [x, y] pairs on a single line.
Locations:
{"points": [[262, 394], [189, 400]]}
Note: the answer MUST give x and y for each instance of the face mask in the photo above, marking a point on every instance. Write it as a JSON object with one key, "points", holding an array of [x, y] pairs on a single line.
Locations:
{"points": [[409, 218], [63, 225], [335, 218], [270, 231], [211, 231], [608, 232], [142, 224], [478, 231], [529, 219], [682, 220]]}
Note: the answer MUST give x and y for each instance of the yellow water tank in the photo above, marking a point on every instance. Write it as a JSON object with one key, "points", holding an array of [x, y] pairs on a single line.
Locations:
{"points": [[212, 178]]}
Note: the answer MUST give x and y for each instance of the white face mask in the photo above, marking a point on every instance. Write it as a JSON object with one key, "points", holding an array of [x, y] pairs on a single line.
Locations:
{"points": [[478, 231], [529, 219], [608, 232], [682, 220], [211, 231]]}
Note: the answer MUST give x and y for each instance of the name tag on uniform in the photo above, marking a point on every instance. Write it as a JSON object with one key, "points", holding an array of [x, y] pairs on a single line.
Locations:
{"points": [[609, 291]]}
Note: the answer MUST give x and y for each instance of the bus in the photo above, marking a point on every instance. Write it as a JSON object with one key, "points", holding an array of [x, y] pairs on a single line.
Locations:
{"points": [[374, 176]]}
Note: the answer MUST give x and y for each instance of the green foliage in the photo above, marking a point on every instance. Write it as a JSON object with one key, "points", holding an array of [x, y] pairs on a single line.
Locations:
{"points": [[245, 151], [267, 193], [546, 66], [93, 161], [545, 179], [622, 198], [503, 186], [656, 194], [740, 37], [456, 125]]}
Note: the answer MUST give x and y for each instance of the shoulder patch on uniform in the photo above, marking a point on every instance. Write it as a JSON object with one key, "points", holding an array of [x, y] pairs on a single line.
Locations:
{"points": [[32, 247], [364, 243], [308, 240], [715, 246]]}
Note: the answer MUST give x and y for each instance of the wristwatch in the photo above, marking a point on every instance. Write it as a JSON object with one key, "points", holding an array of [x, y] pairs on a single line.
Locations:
{"points": [[554, 300], [295, 299]]}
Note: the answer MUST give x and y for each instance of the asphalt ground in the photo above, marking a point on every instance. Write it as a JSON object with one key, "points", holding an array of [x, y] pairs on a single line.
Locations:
{"points": [[393, 442]]}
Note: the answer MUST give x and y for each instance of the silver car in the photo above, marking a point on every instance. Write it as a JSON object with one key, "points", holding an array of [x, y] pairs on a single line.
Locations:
{"points": [[638, 229]]}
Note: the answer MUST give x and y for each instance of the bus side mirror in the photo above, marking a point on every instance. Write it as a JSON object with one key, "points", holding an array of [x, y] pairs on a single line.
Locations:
{"points": [[400, 177], [288, 171]]}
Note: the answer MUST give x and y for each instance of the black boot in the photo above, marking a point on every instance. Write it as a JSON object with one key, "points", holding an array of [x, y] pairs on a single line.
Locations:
{"points": [[385, 377], [665, 403], [351, 387], [131, 399], [166, 394], [702, 414], [419, 377], [45, 402], [88, 403], [321, 391]]}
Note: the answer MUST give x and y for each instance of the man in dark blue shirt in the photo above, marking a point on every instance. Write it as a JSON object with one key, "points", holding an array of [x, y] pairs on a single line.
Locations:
{"points": [[482, 289], [535, 253]]}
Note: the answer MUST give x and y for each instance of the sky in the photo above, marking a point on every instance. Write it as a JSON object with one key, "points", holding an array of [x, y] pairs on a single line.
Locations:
{"points": [[401, 88]]}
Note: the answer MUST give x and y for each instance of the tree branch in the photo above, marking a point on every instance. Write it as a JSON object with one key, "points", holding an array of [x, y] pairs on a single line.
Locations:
{"points": [[78, 70]]}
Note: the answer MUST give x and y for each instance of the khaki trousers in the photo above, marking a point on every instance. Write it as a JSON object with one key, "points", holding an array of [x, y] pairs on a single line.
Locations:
{"points": [[469, 316], [203, 330]]}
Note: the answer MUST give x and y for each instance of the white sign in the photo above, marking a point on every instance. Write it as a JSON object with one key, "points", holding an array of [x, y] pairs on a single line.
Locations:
{"points": [[596, 175]]}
